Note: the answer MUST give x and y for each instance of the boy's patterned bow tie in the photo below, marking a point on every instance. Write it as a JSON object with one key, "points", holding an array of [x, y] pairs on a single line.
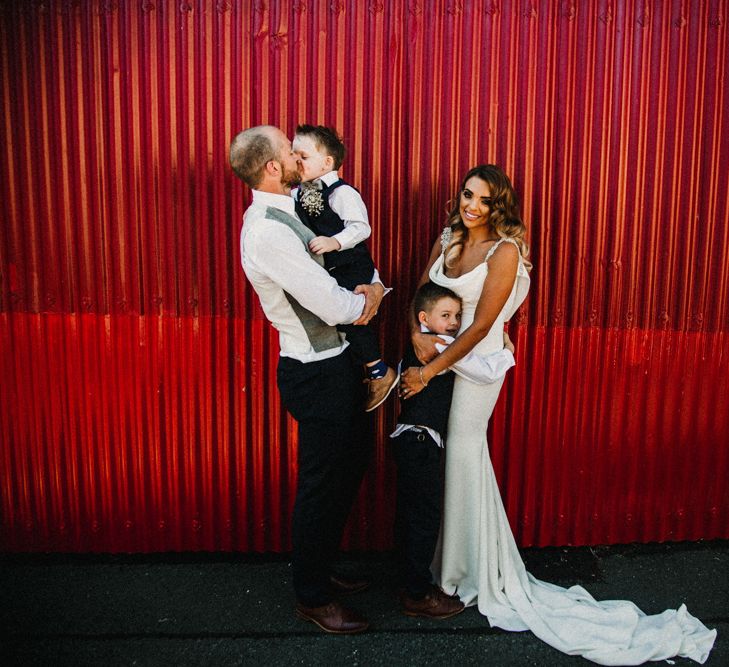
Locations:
{"points": [[316, 184]]}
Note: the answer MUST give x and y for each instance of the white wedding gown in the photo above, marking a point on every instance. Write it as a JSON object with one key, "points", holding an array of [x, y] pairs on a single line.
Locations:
{"points": [[477, 557]]}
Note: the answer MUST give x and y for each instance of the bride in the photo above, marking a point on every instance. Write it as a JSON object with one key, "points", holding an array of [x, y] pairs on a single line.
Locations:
{"points": [[482, 257]]}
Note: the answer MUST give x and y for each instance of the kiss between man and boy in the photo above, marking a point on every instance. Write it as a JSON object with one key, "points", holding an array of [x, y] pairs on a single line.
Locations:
{"points": [[303, 249]]}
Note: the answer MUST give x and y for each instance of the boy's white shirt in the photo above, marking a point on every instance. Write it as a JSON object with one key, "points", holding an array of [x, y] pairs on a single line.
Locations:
{"points": [[347, 203], [478, 368]]}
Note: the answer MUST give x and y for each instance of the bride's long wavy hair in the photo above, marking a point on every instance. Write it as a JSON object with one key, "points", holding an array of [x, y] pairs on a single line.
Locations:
{"points": [[504, 215]]}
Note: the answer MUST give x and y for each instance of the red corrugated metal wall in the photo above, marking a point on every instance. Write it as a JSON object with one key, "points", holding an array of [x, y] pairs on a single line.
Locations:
{"points": [[138, 408]]}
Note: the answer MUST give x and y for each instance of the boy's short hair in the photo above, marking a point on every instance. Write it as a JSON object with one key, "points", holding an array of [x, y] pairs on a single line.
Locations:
{"points": [[429, 294], [326, 138]]}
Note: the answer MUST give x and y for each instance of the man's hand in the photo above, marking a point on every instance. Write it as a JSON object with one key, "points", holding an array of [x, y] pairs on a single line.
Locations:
{"points": [[424, 346], [373, 296], [321, 244]]}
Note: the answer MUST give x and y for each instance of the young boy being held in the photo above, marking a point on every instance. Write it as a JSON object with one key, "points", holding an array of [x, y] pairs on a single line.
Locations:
{"points": [[335, 212], [418, 446]]}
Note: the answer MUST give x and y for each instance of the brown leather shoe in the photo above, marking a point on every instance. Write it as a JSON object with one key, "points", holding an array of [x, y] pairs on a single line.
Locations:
{"points": [[333, 618], [343, 585], [380, 389], [435, 604]]}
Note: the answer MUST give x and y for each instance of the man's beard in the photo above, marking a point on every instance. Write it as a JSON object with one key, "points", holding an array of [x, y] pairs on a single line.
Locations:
{"points": [[291, 178]]}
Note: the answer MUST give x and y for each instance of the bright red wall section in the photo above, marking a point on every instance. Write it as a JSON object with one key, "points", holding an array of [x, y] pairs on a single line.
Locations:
{"points": [[138, 407]]}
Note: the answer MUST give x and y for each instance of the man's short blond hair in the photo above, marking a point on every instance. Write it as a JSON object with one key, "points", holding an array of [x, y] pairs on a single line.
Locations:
{"points": [[250, 151]]}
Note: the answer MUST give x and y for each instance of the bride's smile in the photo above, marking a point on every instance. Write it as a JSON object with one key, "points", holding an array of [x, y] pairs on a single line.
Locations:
{"points": [[475, 203]]}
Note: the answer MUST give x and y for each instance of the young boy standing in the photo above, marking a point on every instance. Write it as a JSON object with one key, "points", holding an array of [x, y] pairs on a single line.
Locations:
{"points": [[335, 212], [417, 449]]}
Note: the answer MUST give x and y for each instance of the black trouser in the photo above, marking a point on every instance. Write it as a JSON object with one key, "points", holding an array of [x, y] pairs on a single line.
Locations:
{"points": [[419, 503], [326, 399], [363, 339]]}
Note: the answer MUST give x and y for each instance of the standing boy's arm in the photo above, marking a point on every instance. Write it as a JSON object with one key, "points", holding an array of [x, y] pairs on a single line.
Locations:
{"points": [[347, 203]]}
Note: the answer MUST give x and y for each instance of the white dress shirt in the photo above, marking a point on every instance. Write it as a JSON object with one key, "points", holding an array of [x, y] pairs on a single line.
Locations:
{"points": [[347, 203], [280, 267]]}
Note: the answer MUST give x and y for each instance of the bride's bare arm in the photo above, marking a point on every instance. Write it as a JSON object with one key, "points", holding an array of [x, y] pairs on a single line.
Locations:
{"points": [[423, 344], [496, 289]]}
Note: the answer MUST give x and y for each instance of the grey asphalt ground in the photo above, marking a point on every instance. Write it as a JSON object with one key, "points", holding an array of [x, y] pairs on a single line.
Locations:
{"points": [[233, 609]]}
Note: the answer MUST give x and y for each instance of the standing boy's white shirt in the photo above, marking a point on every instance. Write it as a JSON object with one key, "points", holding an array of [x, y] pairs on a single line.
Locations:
{"points": [[347, 203], [276, 262]]}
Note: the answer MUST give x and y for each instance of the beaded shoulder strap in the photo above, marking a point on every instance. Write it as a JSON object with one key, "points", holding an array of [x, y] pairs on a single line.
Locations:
{"points": [[445, 238], [497, 244]]}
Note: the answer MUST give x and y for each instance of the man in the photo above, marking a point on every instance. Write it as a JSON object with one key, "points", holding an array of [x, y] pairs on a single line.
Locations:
{"points": [[318, 381]]}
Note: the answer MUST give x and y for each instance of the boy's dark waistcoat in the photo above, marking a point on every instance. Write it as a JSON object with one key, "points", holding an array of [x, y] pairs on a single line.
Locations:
{"points": [[431, 406], [328, 223]]}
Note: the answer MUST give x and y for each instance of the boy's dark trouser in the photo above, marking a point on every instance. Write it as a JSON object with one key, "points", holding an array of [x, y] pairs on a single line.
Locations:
{"points": [[326, 399], [363, 339], [364, 342], [419, 502]]}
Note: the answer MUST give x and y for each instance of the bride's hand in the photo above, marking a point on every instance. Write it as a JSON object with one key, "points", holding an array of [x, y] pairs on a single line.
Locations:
{"points": [[411, 382], [424, 346]]}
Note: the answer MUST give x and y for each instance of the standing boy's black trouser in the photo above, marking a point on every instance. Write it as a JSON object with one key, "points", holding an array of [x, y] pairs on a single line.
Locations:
{"points": [[419, 505], [326, 399]]}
